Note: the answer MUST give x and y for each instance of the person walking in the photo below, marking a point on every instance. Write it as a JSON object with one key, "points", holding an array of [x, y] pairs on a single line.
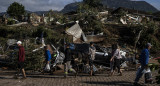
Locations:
{"points": [[21, 59], [92, 52], [116, 58], [112, 62], [67, 61], [144, 59], [47, 58]]}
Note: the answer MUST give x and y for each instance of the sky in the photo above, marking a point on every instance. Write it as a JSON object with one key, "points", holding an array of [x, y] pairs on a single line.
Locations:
{"points": [[45, 5]]}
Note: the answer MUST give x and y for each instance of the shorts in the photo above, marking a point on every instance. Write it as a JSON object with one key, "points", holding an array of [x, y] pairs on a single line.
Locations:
{"points": [[116, 64], [20, 65]]}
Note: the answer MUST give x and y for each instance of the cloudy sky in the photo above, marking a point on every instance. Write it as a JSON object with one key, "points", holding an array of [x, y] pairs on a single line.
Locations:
{"points": [[45, 5]]}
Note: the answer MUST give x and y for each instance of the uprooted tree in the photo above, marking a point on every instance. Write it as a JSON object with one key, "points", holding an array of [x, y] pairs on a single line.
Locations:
{"points": [[87, 13], [143, 34]]}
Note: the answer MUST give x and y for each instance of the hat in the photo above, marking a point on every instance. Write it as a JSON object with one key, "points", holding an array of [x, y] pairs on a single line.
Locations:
{"points": [[148, 44], [19, 42]]}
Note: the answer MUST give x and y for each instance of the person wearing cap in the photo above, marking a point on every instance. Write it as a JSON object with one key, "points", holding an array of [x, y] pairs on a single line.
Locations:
{"points": [[21, 59], [144, 59], [92, 52]]}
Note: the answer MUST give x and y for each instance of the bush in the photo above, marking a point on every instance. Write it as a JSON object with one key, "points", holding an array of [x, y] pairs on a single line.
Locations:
{"points": [[48, 34], [158, 77], [10, 22], [19, 32], [34, 60], [148, 34]]}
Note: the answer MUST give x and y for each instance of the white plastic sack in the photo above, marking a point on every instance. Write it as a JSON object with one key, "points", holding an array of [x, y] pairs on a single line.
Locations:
{"points": [[87, 68], [94, 68], [47, 68], [138, 70], [123, 53], [124, 64], [147, 70]]}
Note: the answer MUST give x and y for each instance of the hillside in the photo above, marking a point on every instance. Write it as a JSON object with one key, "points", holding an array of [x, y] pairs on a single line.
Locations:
{"points": [[137, 5], [70, 7]]}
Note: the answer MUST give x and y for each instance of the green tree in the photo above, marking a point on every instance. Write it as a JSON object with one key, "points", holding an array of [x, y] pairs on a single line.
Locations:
{"points": [[143, 34], [87, 14], [93, 3], [158, 76], [16, 10]]}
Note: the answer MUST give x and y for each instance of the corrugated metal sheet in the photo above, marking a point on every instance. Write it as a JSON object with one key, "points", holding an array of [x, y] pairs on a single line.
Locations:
{"points": [[75, 31]]}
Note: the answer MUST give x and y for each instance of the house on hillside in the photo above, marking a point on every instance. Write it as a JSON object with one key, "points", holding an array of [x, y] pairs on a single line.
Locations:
{"points": [[47, 19], [103, 16], [3, 19], [131, 16], [34, 19], [50, 17]]}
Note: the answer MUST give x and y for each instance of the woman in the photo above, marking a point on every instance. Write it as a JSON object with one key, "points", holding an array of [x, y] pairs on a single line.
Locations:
{"points": [[116, 57], [92, 52]]}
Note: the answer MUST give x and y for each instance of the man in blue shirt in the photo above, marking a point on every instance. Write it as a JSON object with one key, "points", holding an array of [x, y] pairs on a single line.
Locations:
{"points": [[144, 59], [47, 54], [47, 58]]}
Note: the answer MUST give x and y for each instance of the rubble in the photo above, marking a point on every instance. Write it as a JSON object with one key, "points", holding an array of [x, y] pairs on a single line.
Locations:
{"points": [[77, 32], [102, 53], [11, 42], [59, 56]]}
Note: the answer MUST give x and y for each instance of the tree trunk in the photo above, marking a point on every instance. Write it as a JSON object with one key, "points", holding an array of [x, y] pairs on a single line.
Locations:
{"points": [[137, 38]]}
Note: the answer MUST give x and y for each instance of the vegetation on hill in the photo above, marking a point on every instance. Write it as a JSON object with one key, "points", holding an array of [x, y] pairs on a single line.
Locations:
{"points": [[114, 4]]}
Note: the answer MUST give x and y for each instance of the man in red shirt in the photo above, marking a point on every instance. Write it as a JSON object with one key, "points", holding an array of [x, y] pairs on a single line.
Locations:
{"points": [[21, 57]]}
